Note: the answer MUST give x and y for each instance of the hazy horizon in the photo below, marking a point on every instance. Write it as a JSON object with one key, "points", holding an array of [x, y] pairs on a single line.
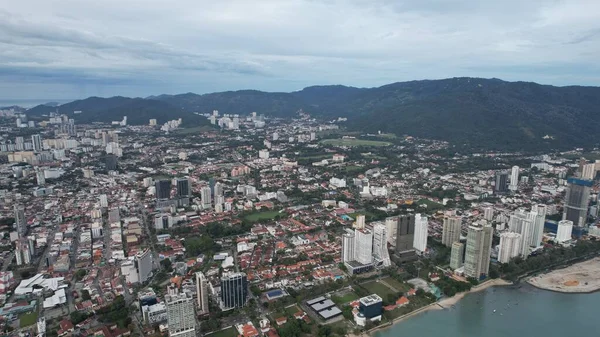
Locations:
{"points": [[72, 49]]}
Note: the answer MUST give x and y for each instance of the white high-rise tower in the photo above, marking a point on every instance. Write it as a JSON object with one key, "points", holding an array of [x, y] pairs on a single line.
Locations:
{"points": [[514, 178], [420, 239], [509, 247], [364, 246], [380, 251]]}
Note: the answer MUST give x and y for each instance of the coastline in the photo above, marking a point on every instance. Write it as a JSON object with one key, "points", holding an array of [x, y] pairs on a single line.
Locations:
{"points": [[579, 278], [438, 305]]}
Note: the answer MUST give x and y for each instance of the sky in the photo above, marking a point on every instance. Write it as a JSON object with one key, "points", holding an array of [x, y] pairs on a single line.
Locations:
{"points": [[68, 49]]}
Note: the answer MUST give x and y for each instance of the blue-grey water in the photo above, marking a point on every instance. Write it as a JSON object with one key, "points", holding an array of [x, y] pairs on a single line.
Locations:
{"points": [[520, 311]]}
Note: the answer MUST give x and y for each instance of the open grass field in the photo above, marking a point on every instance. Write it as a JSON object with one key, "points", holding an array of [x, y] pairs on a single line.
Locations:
{"points": [[292, 310], [403, 287], [347, 297], [586, 155], [431, 205], [28, 319], [353, 142], [230, 332], [378, 288], [387, 136], [194, 130], [268, 215]]}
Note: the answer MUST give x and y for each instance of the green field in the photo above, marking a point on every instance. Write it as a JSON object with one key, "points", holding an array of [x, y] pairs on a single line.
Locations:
{"points": [[378, 288], [230, 332], [347, 297], [353, 142], [586, 155], [28, 319], [292, 310], [403, 287], [315, 157], [194, 130], [258, 216], [431, 205], [387, 136]]}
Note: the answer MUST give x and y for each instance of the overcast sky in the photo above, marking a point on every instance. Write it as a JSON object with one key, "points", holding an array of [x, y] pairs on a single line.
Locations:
{"points": [[74, 49]]}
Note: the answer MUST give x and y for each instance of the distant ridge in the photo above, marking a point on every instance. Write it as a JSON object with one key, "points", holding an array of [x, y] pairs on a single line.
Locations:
{"points": [[486, 113]]}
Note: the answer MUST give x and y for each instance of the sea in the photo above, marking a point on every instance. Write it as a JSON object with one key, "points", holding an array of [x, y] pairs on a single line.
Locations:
{"points": [[507, 311]]}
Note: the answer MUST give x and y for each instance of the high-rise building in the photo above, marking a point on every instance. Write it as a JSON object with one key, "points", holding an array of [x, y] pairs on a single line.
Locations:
{"points": [[41, 179], [103, 200], [588, 171], [488, 213], [509, 247], [20, 220], [180, 314], [36, 141], [564, 231], [501, 182], [391, 225], [380, 251], [538, 226], [514, 178], [183, 187], [234, 290], [144, 265], [577, 200], [111, 162], [202, 293], [524, 223], [405, 232], [205, 197], [360, 221], [163, 189], [363, 246], [477, 256], [451, 230], [457, 255], [420, 237], [348, 247], [218, 189]]}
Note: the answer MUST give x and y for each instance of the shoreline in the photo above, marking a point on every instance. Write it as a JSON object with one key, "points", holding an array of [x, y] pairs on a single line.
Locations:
{"points": [[445, 303], [583, 274]]}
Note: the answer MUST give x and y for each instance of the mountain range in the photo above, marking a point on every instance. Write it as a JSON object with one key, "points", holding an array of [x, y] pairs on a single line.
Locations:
{"points": [[487, 113]]}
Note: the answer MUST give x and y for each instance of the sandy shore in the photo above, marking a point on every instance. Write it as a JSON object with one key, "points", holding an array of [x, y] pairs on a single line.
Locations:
{"points": [[442, 304], [450, 301], [583, 277]]}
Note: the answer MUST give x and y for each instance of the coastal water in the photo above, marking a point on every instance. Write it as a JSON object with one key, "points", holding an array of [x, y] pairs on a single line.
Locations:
{"points": [[519, 311]]}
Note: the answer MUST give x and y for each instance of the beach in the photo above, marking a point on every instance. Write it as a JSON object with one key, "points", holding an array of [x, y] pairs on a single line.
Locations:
{"points": [[583, 277], [450, 301]]}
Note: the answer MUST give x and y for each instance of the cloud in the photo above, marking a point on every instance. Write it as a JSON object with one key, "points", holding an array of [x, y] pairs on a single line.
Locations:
{"points": [[150, 47]]}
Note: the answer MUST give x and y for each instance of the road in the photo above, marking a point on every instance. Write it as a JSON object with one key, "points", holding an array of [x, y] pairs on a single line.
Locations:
{"points": [[50, 240], [7, 261], [143, 213]]}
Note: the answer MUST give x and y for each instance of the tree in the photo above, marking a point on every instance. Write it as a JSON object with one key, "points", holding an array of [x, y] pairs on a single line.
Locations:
{"points": [[85, 295], [166, 265], [79, 274], [324, 331], [473, 281]]}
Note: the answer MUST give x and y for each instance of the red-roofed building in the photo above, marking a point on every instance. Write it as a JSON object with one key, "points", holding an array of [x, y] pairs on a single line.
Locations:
{"points": [[281, 320], [247, 330], [402, 301], [66, 328]]}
